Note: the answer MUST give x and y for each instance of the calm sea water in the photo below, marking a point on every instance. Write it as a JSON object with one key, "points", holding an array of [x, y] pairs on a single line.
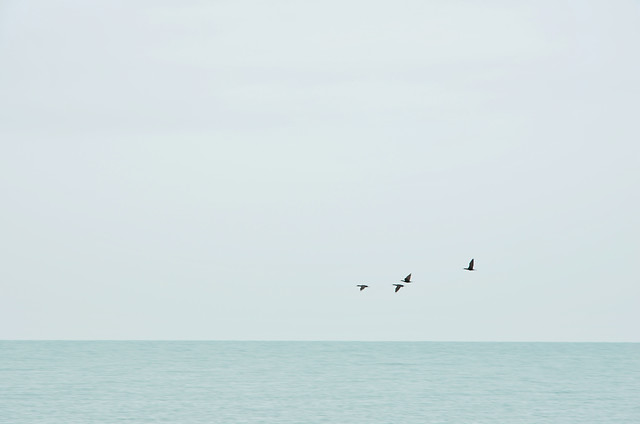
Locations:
{"points": [[318, 382]]}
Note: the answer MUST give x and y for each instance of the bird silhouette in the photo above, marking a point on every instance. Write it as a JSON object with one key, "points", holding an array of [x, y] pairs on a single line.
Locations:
{"points": [[398, 287], [470, 268], [362, 286], [407, 279]]}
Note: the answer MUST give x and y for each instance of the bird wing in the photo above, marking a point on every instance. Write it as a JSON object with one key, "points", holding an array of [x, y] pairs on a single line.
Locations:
{"points": [[471, 264], [407, 278]]}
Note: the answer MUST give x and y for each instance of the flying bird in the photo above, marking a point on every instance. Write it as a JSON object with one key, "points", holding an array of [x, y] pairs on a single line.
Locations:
{"points": [[470, 266], [407, 279], [362, 286], [398, 287]]}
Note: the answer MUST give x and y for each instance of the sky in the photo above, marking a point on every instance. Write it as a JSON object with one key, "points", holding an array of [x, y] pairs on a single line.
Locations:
{"points": [[226, 170]]}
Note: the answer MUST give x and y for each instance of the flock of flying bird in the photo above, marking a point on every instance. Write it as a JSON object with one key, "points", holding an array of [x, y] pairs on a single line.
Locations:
{"points": [[407, 279]]}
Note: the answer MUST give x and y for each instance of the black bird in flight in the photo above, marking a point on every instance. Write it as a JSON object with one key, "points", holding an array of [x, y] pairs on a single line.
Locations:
{"points": [[407, 279], [362, 286], [470, 266], [398, 287]]}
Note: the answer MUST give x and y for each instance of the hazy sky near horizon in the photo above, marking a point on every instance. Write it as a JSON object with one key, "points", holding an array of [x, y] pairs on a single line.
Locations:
{"points": [[231, 170]]}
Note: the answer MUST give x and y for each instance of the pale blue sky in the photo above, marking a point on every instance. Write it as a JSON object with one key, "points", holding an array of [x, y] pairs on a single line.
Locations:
{"points": [[231, 170]]}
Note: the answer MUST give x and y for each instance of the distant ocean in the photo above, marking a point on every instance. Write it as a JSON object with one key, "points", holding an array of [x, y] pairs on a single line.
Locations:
{"points": [[318, 382]]}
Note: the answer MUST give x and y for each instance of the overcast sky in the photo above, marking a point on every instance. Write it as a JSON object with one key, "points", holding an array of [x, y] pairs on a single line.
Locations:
{"points": [[232, 169]]}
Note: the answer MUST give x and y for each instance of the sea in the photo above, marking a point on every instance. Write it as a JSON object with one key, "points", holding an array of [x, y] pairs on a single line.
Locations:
{"points": [[318, 382]]}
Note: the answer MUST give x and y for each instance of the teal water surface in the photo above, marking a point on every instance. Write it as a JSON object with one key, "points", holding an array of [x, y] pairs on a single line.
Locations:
{"points": [[318, 382]]}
